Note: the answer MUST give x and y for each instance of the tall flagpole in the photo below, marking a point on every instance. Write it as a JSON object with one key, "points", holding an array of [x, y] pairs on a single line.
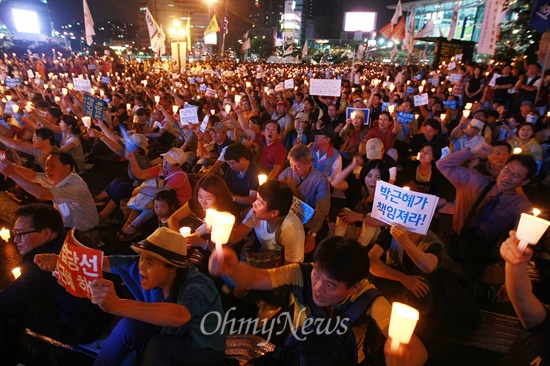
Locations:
{"points": [[225, 23]]}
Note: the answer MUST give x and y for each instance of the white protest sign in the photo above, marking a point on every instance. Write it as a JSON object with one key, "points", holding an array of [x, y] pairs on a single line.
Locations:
{"points": [[451, 66], [458, 56], [82, 85], [413, 210], [301, 209], [279, 87], [453, 78], [387, 84], [289, 84], [493, 81], [188, 115], [421, 99], [210, 93], [325, 87], [30, 73], [204, 123]]}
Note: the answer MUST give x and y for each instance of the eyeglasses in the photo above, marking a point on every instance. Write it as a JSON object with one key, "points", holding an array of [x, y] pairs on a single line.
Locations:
{"points": [[507, 171], [18, 234]]}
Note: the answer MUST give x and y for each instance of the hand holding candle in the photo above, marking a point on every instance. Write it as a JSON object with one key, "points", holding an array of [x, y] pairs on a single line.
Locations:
{"points": [[5, 234], [262, 178], [16, 272]]}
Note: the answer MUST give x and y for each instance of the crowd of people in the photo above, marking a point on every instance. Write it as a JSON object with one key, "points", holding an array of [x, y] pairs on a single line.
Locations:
{"points": [[476, 142]]}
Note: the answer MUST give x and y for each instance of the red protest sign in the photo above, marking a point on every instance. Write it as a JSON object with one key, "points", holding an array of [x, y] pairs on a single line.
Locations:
{"points": [[77, 266]]}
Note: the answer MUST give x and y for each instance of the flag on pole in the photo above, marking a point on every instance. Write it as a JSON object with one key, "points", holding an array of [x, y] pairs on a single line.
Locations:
{"points": [[427, 30], [453, 23], [213, 26], [288, 51], [246, 44], [408, 42], [188, 33], [88, 24], [156, 35], [393, 52], [397, 34], [360, 51], [398, 14], [304, 50]]}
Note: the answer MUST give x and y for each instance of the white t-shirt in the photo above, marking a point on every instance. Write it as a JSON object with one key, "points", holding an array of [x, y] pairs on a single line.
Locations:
{"points": [[292, 235]]}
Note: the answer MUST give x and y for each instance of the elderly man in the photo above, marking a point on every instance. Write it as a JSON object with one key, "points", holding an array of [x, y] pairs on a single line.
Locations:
{"points": [[35, 300], [312, 187], [69, 193]]}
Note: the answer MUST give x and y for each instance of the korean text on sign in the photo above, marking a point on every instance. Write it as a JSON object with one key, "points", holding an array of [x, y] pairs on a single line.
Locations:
{"points": [[413, 210], [77, 266], [93, 107]]}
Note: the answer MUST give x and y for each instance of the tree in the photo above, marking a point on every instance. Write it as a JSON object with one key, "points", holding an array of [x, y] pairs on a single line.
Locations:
{"points": [[516, 36], [262, 46]]}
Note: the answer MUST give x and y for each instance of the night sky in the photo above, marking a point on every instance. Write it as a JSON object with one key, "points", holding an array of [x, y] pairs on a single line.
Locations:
{"points": [[65, 11]]}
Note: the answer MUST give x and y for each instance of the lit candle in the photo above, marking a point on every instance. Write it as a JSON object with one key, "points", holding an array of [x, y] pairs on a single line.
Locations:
{"points": [[175, 108], [5, 234], [209, 219], [442, 116], [248, 84], [64, 91], [423, 82], [221, 230], [157, 98], [468, 106], [16, 272], [517, 150], [262, 178], [237, 98], [402, 323], [466, 113], [185, 231], [227, 108], [87, 121], [128, 106], [407, 188], [530, 229], [15, 108], [391, 108], [420, 89]]}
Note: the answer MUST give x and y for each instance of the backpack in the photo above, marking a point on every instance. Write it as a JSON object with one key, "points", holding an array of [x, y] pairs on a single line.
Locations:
{"points": [[336, 345]]}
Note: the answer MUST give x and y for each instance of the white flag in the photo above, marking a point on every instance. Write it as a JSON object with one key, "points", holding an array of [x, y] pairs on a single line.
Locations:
{"points": [[398, 14], [427, 30], [88, 24], [453, 23], [246, 44], [304, 50], [156, 34], [393, 52], [490, 27], [408, 42], [360, 51]]}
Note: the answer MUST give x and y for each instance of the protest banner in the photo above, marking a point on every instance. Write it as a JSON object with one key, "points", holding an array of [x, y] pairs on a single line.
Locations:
{"points": [[366, 111], [189, 115], [93, 107], [289, 84], [434, 81], [404, 117], [453, 78], [105, 80], [82, 85], [13, 82], [210, 93], [301, 209], [421, 99], [325, 87], [450, 104], [409, 90], [77, 266], [413, 210]]}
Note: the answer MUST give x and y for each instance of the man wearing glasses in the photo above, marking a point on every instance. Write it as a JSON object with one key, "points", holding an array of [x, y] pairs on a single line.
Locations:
{"points": [[35, 300]]}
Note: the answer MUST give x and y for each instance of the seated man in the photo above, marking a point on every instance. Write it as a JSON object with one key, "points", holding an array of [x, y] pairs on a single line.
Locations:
{"points": [[273, 222], [485, 209], [312, 187], [35, 300], [402, 262], [335, 280], [168, 318], [68, 191], [531, 344], [242, 177]]}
